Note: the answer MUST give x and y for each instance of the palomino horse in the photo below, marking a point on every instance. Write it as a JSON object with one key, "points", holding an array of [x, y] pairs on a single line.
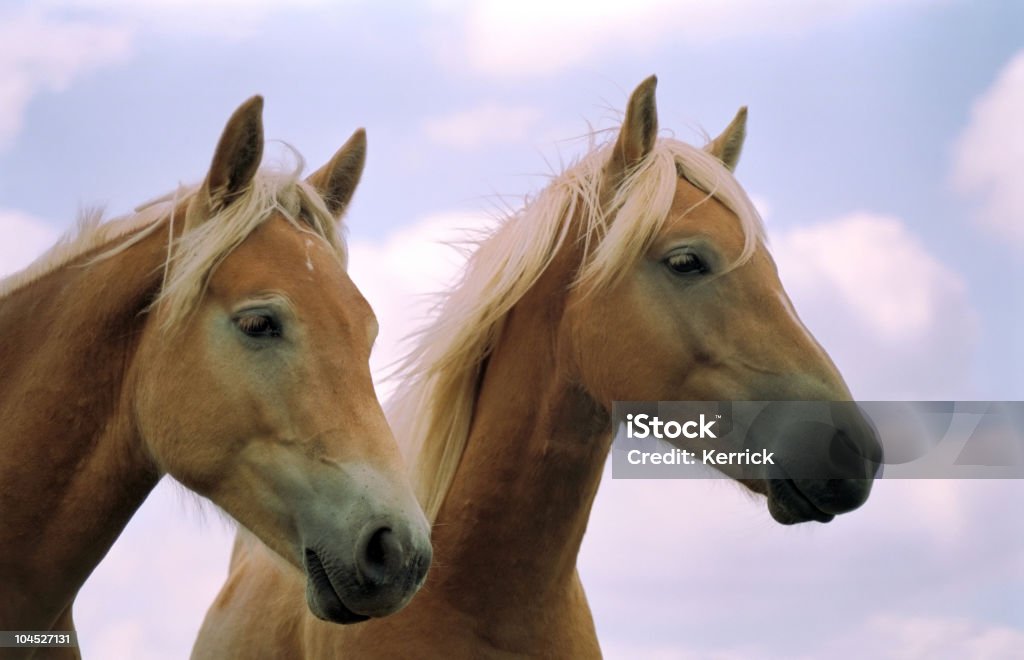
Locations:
{"points": [[214, 336], [640, 273]]}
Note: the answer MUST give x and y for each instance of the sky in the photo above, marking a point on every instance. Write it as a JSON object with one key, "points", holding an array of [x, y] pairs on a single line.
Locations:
{"points": [[885, 151]]}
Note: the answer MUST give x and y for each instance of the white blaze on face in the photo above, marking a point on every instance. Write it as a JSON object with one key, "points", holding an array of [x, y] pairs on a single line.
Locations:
{"points": [[309, 259]]}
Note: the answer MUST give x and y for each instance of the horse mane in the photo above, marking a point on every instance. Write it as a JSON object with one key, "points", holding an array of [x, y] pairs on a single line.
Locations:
{"points": [[195, 254], [432, 408], [89, 233]]}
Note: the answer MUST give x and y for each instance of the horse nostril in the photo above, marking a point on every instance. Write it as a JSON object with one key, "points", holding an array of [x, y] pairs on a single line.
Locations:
{"points": [[380, 553], [844, 454], [376, 549], [391, 558], [852, 458]]}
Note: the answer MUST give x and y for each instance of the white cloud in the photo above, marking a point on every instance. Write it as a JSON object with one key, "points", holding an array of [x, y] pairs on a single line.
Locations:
{"points": [[763, 206], [905, 636], [897, 320], [675, 568], [989, 155], [125, 639], [221, 18], [881, 271], [532, 37], [48, 46], [39, 53], [399, 275], [148, 597], [131, 6], [28, 237], [485, 124]]}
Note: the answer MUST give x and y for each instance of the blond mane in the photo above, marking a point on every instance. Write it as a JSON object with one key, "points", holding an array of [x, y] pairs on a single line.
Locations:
{"points": [[194, 255], [89, 233], [433, 406]]}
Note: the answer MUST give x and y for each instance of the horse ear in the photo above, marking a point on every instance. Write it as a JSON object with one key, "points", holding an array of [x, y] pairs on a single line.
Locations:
{"points": [[234, 165], [727, 146], [337, 180], [639, 130]]}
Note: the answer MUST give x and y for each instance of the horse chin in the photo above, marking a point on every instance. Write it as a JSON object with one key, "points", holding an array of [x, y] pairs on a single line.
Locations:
{"points": [[789, 506], [323, 599]]}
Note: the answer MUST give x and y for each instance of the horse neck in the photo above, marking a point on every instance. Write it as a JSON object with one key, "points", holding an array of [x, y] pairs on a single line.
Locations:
{"points": [[509, 532], [72, 468]]}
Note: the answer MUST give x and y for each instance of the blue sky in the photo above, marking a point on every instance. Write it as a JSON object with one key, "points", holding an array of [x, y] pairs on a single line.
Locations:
{"points": [[884, 150]]}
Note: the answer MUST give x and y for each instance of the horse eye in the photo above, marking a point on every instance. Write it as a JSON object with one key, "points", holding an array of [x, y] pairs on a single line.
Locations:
{"points": [[258, 325], [686, 263]]}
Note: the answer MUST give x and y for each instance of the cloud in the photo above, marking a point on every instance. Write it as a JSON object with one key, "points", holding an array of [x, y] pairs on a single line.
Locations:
{"points": [[399, 275], [697, 568], [897, 320], [988, 161], [40, 53], [149, 595], [540, 37], [34, 236], [50, 44], [896, 635], [486, 124], [130, 6], [763, 206], [233, 19]]}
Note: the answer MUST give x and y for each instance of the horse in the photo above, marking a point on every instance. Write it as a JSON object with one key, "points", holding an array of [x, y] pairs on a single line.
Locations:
{"points": [[215, 336], [638, 273]]}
